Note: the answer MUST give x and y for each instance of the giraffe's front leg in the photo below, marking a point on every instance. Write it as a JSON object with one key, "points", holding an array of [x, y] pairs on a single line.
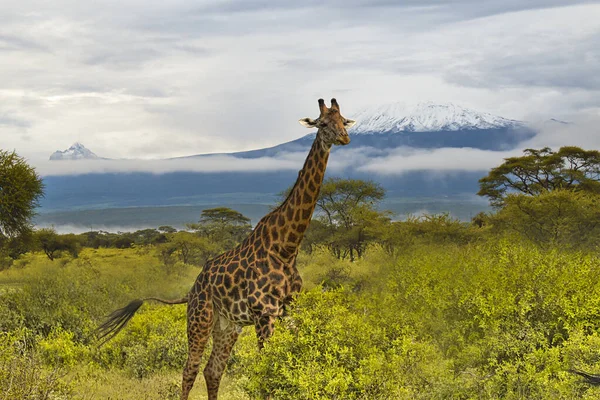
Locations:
{"points": [[264, 329], [295, 288]]}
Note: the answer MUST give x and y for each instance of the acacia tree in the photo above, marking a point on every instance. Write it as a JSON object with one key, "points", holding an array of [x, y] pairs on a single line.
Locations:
{"points": [[539, 171], [223, 225], [346, 215], [20, 191], [51, 243], [188, 248], [559, 218]]}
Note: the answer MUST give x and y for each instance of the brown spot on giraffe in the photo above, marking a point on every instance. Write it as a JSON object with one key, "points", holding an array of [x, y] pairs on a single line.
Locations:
{"points": [[252, 283]]}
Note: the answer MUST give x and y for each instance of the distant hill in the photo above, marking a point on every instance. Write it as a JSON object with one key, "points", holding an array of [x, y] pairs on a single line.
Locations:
{"points": [[425, 126]]}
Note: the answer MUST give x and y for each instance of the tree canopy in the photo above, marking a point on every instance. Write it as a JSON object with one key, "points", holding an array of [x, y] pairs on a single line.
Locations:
{"points": [[223, 225], [20, 190], [559, 218], [539, 171], [346, 215]]}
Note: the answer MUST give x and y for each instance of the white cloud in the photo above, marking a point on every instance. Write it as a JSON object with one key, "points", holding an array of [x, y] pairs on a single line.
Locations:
{"points": [[217, 163], [582, 130]]}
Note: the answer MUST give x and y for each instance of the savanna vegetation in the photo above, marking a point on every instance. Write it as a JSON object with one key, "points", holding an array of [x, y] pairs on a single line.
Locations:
{"points": [[429, 307]]}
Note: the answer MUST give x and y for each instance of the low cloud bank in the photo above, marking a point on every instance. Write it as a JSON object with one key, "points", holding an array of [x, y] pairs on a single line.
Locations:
{"points": [[220, 163], [583, 132]]}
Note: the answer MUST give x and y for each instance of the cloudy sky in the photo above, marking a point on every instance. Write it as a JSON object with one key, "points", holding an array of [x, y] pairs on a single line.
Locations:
{"points": [[154, 79]]}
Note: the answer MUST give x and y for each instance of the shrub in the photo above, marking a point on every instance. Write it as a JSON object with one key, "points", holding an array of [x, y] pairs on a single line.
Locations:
{"points": [[60, 350], [22, 375], [335, 349], [153, 341]]}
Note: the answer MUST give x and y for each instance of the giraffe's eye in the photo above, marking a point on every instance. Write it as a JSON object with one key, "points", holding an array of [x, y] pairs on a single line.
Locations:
{"points": [[348, 123], [321, 124]]}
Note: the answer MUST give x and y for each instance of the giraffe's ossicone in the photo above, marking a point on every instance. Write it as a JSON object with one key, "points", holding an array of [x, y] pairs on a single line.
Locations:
{"points": [[252, 283]]}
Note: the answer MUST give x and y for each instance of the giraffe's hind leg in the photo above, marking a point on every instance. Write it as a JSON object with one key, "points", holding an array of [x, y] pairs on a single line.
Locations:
{"points": [[200, 324], [224, 337]]}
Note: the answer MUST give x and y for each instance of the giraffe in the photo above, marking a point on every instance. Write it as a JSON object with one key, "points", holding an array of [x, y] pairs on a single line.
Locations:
{"points": [[252, 283]]}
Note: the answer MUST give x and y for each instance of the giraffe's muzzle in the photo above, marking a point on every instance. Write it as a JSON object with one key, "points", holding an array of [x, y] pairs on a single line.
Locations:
{"points": [[343, 140]]}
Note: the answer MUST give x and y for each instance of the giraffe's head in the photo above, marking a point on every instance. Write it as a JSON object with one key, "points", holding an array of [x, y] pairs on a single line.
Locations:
{"points": [[330, 124]]}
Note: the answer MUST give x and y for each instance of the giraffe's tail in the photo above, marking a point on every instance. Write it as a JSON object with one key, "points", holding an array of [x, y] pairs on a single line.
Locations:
{"points": [[588, 378], [119, 318]]}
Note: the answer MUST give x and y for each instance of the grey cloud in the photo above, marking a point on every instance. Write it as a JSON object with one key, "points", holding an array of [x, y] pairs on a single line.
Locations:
{"points": [[125, 58], [13, 42], [566, 66], [246, 6], [485, 8], [401, 161], [478, 8], [6, 120], [583, 130]]}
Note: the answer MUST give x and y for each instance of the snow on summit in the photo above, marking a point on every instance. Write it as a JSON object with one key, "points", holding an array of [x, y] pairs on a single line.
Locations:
{"points": [[425, 117], [77, 151]]}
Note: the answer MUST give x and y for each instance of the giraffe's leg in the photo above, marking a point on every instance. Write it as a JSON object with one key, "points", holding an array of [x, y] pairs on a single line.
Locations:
{"points": [[200, 324], [223, 341], [264, 329], [295, 288]]}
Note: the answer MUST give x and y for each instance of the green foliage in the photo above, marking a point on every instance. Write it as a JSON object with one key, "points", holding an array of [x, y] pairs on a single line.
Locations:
{"points": [[16, 246], [76, 296], [123, 240], [155, 340], [433, 308], [52, 243], [59, 349], [145, 237], [189, 248], [560, 218], [399, 236], [339, 197], [20, 190], [223, 225], [167, 229], [543, 170], [334, 347], [22, 374], [347, 218], [478, 321]]}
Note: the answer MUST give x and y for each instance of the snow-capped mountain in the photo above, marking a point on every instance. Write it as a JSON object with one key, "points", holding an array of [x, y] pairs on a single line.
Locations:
{"points": [[378, 131], [426, 117], [76, 152], [423, 125]]}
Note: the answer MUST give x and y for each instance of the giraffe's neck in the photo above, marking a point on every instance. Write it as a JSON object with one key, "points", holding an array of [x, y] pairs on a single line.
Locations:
{"points": [[291, 218]]}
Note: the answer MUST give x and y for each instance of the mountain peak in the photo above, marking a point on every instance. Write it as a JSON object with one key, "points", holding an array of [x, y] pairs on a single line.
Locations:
{"points": [[77, 151], [426, 117]]}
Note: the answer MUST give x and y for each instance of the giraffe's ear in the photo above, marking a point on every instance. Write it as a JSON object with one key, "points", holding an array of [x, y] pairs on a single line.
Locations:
{"points": [[349, 123], [307, 122]]}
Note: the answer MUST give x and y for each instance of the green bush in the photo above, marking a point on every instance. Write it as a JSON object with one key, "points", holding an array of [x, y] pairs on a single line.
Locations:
{"points": [[556, 219], [60, 350], [77, 296], [155, 340], [22, 375], [333, 347]]}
